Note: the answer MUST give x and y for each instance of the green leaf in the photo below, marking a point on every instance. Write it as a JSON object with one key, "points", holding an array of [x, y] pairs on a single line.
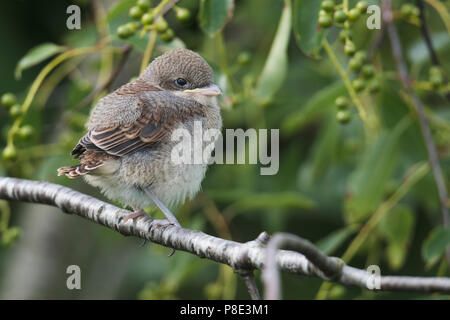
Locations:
{"points": [[275, 68], [267, 201], [35, 56], [331, 242], [214, 14], [397, 228], [119, 8], [318, 105], [435, 244], [307, 32], [323, 154], [418, 52], [367, 183]]}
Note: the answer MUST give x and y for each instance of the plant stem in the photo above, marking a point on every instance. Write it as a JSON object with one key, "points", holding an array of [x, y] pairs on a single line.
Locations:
{"points": [[41, 76], [148, 50], [345, 78]]}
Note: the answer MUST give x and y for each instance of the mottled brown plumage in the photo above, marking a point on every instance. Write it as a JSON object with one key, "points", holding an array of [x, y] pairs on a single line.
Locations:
{"points": [[127, 147]]}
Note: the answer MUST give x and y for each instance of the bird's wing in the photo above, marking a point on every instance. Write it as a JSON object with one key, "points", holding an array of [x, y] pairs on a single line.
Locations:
{"points": [[155, 123]]}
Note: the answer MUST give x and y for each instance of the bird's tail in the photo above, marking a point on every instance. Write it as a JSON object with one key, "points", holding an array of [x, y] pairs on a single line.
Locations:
{"points": [[78, 170]]}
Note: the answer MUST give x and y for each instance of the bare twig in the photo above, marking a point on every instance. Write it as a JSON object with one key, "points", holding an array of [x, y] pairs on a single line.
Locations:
{"points": [[426, 33], [420, 110], [240, 256]]}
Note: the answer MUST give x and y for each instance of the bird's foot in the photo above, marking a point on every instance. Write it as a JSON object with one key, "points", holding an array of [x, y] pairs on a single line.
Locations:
{"points": [[136, 214], [161, 222]]}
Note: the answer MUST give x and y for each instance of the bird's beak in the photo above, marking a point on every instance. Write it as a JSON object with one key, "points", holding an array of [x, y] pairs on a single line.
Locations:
{"points": [[210, 90]]}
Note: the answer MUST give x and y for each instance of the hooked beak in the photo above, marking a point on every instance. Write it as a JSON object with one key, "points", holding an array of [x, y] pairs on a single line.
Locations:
{"points": [[211, 90]]}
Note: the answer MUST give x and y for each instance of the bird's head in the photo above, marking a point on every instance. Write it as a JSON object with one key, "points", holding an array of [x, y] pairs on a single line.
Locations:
{"points": [[183, 72]]}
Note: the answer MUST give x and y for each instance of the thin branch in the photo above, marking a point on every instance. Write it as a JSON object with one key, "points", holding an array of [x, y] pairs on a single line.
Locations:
{"points": [[420, 110], [329, 268], [107, 85], [426, 35], [240, 256], [249, 280]]}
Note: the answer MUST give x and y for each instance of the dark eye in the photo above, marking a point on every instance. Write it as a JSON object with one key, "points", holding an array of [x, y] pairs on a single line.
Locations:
{"points": [[181, 82]]}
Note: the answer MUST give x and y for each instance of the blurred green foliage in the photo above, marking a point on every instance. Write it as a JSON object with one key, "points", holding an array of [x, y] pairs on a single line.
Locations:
{"points": [[352, 176]]}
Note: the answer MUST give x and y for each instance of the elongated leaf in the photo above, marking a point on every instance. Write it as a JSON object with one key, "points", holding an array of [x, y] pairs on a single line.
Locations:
{"points": [[318, 105], [397, 228], [367, 183], [307, 32], [119, 8], [275, 68], [435, 245], [331, 242], [35, 56], [214, 14]]}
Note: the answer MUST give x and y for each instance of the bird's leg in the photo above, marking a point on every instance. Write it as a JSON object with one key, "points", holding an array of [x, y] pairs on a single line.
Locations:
{"points": [[169, 215]]}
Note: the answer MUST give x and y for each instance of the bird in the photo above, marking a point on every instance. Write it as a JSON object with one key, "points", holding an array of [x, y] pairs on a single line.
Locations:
{"points": [[126, 151]]}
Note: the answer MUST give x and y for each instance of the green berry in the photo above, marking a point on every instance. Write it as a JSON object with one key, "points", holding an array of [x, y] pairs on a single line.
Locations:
{"points": [[341, 102], [368, 71], [143, 4], [133, 27], [9, 236], [344, 35], [323, 13], [407, 9], [436, 80], [415, 12], [340, 16], [161, 26], [8, 99], [374, 86], [136, 12], [358, 84], [15, 111], [343, 116], [361, 55], [243, 58], [124, 32], [26, 131], [349, 48], [353, 14], [183, 14], [435, 70], [327, 5], [147, 18], [9, 153], [167, 36], [362, 6], [355, 64], [325, 21]]}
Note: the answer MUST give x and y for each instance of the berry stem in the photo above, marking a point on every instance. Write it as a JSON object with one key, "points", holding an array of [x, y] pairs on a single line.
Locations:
{"points": [[148, 50], [344, 76], [40, 78]]}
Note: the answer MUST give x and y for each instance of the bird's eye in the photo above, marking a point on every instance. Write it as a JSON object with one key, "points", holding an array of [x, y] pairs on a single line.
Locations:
{"points": [[181, 82]]}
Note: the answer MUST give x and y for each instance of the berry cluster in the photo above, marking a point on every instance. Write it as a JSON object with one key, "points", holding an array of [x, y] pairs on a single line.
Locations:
{"points": [[9, 100], [330, 12], [333, 14], [147, 17]]}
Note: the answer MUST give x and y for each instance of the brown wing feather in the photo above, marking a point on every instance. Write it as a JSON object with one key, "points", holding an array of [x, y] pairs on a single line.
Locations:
{"points": [[153, 126]]}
